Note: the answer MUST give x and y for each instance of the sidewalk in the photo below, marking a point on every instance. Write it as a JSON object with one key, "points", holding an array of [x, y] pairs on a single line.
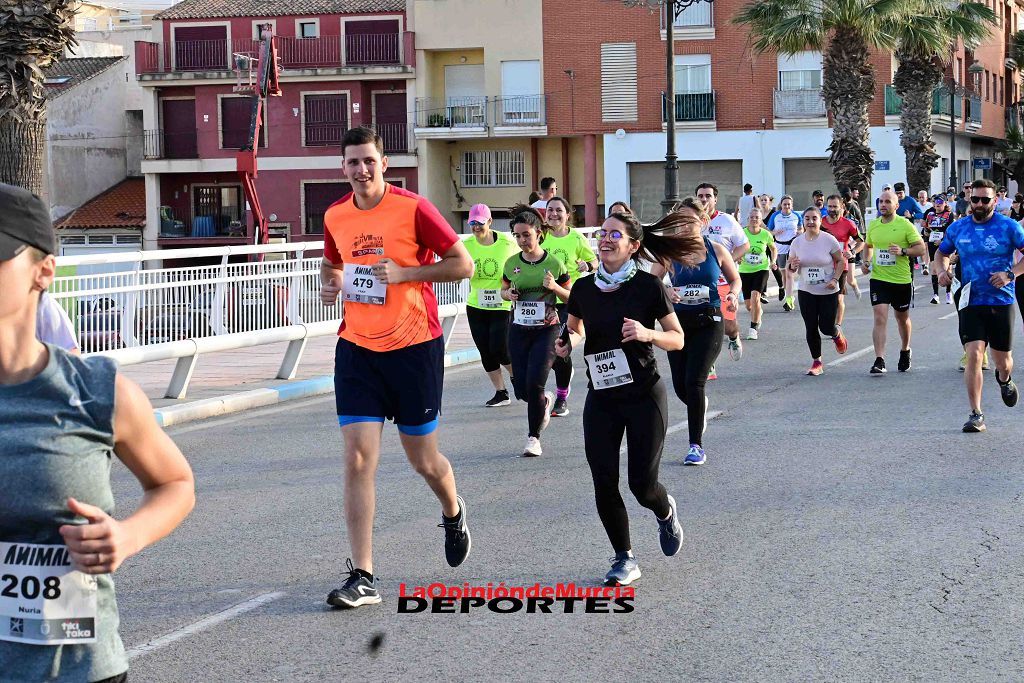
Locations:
{"points": [[227, 374]]}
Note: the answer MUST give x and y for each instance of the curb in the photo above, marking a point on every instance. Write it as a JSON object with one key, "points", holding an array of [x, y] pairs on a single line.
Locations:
{"points": [[257, 398]]}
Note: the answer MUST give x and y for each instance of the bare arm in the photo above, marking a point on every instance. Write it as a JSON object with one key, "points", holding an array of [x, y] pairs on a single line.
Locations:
{"points": [[671, 336], [917, 249], [101, 545], [577, 333]]}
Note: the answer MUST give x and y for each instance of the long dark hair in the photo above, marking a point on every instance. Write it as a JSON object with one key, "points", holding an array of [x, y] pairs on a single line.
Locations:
{"points": [[521, 213], [662, 241]]}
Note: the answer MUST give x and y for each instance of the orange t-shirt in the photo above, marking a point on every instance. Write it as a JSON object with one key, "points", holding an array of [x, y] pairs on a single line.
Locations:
{"points": [[410, 231]]}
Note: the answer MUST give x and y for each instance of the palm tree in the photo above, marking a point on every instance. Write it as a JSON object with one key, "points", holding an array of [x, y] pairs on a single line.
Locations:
{"points": [[33, 33], [845, 31], [925, 47]]}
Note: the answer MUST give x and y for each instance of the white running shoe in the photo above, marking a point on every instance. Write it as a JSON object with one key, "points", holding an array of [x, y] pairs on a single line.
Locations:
{"points": [[935, 298], [751, 333], [532, 448], [949, 297], [549, 400], [735, 349]]}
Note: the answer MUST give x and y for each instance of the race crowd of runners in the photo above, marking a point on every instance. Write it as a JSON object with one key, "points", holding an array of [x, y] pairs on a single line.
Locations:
{"points": [[539, 294]]}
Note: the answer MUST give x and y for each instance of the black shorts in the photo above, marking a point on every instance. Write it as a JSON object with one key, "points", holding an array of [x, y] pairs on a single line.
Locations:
{"points": [[403, 385], [754, 282], [892, 294], [990, 324]]}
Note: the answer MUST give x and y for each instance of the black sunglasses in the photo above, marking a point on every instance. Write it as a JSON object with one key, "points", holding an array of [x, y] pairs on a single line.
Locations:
{"points": [[980, 200]]}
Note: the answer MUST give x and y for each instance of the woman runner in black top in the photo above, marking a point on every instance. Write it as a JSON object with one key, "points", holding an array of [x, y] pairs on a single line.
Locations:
{"points": [[614, 313]]}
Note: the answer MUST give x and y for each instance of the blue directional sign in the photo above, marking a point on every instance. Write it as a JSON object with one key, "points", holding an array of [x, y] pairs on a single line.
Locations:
{"points": [[982, 164], [881, 165]]}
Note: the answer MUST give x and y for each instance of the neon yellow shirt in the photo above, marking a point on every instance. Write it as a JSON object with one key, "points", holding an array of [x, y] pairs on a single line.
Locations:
{"points": [[756, 260], [488, 262], [884, 266], [570, 250]]}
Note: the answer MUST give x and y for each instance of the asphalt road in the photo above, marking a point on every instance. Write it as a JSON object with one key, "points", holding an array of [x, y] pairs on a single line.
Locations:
{"points": [[842, 529]]}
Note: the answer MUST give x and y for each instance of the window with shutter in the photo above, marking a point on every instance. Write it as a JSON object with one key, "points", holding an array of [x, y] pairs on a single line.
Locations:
{"points": [[618, 82], [235, 118], [326, 119], [317, 198]]}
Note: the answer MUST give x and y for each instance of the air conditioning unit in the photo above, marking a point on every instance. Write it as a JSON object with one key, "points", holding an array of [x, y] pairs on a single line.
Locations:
{"points": [[1010, 63]]}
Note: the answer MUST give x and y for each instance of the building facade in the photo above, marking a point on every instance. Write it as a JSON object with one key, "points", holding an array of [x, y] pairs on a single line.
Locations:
{"points": [[482, 112], [342, 63], [742, 117]]}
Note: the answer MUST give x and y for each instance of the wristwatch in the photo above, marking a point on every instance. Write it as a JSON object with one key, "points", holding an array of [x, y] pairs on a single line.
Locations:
{"points": [[903, 251], [1010, 275]]}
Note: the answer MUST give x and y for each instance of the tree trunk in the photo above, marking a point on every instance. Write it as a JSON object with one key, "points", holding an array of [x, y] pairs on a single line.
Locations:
{"points": [[21, 153], [915, 80], [848, 89]]}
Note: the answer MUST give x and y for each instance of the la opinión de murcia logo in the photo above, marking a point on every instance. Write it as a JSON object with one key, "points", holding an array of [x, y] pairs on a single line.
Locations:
{"points": [[565, 598]]}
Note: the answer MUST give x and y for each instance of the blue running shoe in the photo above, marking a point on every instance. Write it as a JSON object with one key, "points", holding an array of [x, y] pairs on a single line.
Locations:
{"points": [[695, 456]]}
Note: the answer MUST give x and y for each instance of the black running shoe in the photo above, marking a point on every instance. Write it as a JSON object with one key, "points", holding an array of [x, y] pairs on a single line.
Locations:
{"points": [[764, 300], [1008, 390], [879, 367], [355, 592], [561, 408], [786, 307], [975, 423], [782, 293], [904, 363], [670, 531], [500, 399], [457, 540]]}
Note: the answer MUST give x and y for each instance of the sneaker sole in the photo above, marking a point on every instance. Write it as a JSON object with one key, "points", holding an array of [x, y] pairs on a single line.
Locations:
{"points": [[629, 579], [506, 402], [527, 454], [973, 430], [675, 513], [694, 464], [345, 604], [561, 414], [1012, 401]]}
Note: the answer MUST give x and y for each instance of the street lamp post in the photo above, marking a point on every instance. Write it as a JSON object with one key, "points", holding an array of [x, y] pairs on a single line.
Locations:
{"points": [[672, 10], [954, 90]]}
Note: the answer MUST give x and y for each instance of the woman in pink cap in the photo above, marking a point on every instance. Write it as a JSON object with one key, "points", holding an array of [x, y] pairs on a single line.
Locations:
{"points": [[487, 313]]}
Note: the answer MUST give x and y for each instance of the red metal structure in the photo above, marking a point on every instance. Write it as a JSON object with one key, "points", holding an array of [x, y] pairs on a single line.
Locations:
{"points": [[259, 81]]}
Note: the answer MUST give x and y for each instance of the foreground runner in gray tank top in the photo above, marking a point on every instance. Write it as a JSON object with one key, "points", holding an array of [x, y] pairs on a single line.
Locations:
{"points": [[61, 418]]}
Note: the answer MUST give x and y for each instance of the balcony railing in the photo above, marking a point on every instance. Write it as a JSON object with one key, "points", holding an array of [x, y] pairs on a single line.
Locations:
{"points": [[521, 110], [974, 110], [940, 103], [161, 144], [481, 111], [384, 49], [397, 137], [692, 107], [698, 15], [799, 104]]}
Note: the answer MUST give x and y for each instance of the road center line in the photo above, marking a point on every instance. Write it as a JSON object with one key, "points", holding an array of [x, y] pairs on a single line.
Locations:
{"points": [[949, 315], [849, 356], [203, 624]]}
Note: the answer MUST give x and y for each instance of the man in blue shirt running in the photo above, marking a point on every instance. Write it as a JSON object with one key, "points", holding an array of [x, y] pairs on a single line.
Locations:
{"points": [[986, 242]]}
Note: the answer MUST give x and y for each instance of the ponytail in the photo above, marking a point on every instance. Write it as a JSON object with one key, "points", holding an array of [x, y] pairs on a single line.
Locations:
{"points": [[665, 240]]}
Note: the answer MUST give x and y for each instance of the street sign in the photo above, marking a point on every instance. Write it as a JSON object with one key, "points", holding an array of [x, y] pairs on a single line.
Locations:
{"points": [[982, 164], [881, 165]]}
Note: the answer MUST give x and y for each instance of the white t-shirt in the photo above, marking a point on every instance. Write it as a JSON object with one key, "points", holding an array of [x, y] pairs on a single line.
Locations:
{"points": [[724, 229], [1004, 205], [746, 204], [784, 228], [53, 325], [816, 264], [540, 204]]}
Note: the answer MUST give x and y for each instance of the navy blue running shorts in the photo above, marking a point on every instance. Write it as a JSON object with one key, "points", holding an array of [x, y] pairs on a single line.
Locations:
{"points": [[403, 385]]}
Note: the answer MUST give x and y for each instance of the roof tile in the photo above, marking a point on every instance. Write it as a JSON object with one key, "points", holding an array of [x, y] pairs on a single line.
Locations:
{"points": [[122, 206], [207, 9], [79, 69]]}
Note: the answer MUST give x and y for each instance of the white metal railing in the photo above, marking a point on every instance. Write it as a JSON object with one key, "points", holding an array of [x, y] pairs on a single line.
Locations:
{"points": [[129, 306], [799, 104]]}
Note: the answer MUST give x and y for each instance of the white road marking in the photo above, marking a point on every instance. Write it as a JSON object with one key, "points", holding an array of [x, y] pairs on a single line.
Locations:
{"points": [[203, 624], [680, 426], [949, 315], [849, 356]]}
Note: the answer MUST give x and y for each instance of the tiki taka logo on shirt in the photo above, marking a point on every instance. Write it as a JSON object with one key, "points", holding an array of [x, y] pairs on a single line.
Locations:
{"points": [[368, 245]]}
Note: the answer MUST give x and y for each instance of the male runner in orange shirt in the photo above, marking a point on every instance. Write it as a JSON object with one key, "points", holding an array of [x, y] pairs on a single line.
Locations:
{"points": [[379, 255]]}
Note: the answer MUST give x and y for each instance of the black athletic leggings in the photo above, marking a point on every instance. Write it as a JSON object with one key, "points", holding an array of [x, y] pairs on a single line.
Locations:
{"points": [[819, 312], [562, 366], [1019, 291], [532, 350], [643, 420], [690, 369], [932, 248], [490, 334]]}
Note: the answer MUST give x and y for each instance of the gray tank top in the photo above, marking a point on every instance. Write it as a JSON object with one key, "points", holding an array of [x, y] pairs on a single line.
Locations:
{"points": [[56, 441]]}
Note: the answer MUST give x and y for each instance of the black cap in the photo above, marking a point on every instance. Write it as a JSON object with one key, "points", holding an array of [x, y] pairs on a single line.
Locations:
{"points": [[817, 193], [899, 187], [24, 221]]}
